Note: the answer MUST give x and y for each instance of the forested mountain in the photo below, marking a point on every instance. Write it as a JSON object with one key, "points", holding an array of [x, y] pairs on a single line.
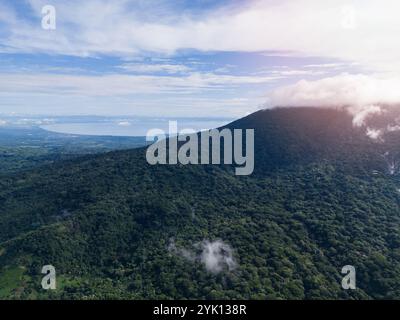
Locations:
{"points": [[324, 194]]}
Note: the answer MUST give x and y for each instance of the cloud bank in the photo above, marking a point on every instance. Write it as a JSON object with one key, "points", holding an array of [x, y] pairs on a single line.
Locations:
{"points": [[362, 95], [342, 90]]}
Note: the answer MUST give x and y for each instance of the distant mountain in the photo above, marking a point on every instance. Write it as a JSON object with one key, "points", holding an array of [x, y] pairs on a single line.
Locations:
{"points": [[324, 194]]}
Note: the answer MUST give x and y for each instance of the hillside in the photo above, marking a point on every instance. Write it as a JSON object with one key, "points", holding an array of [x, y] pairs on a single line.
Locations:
{"points": [[323, 195]]}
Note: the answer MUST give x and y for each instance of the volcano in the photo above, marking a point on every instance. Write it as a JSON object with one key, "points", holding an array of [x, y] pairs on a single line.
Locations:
{"points": [[324, 194]]}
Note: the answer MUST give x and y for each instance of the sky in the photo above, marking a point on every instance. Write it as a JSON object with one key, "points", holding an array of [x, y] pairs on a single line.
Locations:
{"points": [[197, 58]]}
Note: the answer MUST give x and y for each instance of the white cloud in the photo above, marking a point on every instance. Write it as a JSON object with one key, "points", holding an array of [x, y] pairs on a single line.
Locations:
{"points": [[129, 29], [297, 72], [341, 90], [184, 253], [363, 96], [308, 27], [393, 128], [192, 94], [328, 65], [117, 84], [375, 134], [124, 123], [216, 256], [152, 68], [362, 113]]}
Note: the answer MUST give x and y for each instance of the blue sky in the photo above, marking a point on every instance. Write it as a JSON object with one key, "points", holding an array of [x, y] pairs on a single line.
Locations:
{"points": [[198, 58]]}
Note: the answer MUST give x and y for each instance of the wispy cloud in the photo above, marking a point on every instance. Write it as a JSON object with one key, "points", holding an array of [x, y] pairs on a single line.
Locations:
{"points": [[304, 27], [193, 94], [217, 256], [329, 65], [154, 68], [297, 72], [119, 84], [143, 39]]}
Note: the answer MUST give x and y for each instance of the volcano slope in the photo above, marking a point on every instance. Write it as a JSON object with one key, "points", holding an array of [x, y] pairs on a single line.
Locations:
{"points": [[323, 195]]}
